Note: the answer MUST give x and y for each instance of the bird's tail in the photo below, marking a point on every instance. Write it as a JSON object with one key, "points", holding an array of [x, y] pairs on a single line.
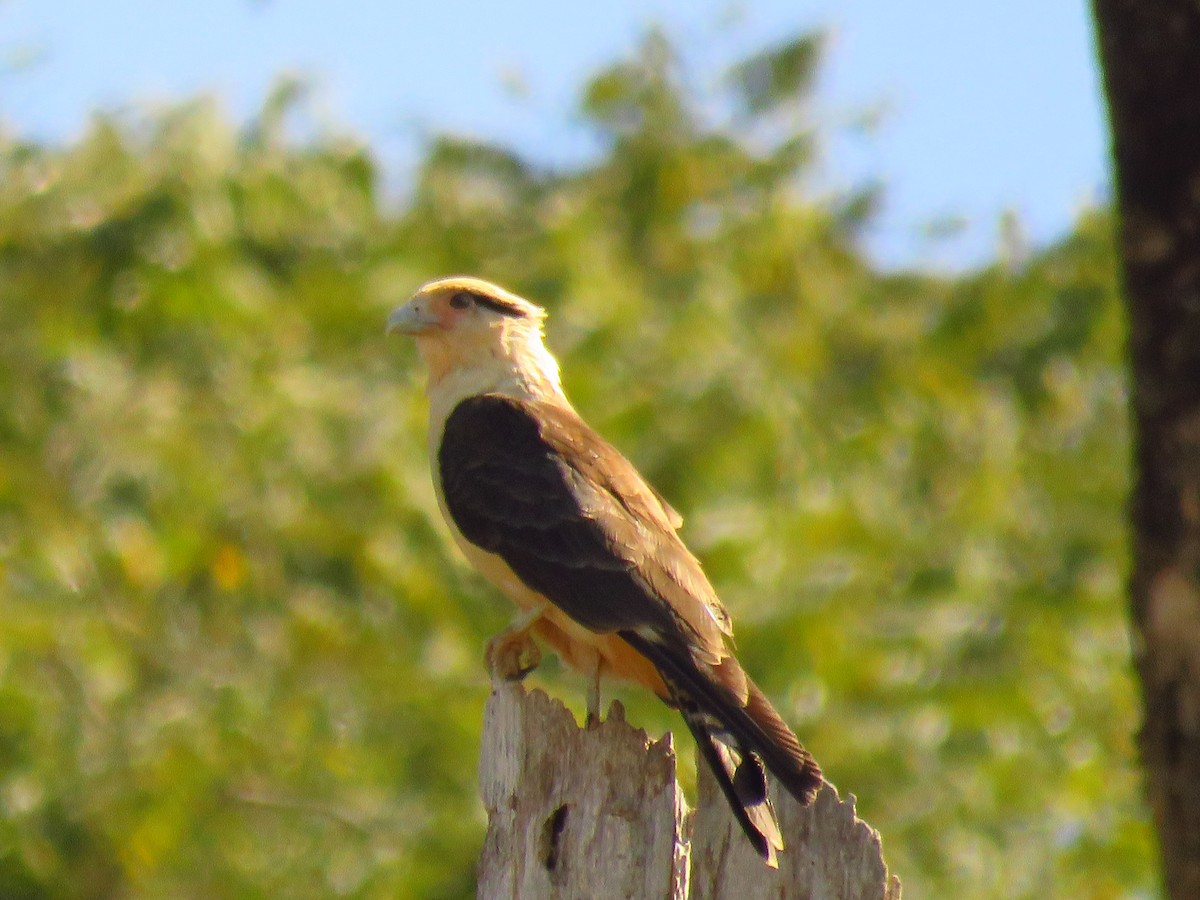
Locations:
{"points": [[741, 777], [737, 740]]}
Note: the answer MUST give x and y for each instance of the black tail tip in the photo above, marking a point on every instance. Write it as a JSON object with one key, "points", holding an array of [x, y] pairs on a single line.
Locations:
{"points": [[805, 785]]}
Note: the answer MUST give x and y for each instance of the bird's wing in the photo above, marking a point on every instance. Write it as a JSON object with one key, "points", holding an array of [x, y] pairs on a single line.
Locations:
{"points": [[529, 481]]}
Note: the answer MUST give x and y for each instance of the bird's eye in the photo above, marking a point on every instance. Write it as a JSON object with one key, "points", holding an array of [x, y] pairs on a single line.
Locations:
{"points": [[461, 300]]}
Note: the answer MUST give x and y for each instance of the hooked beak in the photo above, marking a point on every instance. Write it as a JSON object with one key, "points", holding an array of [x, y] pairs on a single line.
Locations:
{"points": [[411, 319]]}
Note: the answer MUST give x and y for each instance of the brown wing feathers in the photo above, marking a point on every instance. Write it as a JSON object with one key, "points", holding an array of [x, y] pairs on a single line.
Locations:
{"points": [[512, 494]]}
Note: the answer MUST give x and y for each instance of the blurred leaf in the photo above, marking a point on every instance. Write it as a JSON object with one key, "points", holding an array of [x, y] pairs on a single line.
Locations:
{"points": [[778, 75]]}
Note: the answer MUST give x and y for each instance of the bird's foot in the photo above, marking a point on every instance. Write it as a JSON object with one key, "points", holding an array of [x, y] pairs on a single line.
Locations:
{"points": [[511, 655]]}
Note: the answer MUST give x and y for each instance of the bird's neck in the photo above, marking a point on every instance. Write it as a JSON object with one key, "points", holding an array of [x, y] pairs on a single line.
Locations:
{"points": [[519, 366]]}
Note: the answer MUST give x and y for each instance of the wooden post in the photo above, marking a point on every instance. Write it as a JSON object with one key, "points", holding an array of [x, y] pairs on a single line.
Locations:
{"points": [[597, 812]]}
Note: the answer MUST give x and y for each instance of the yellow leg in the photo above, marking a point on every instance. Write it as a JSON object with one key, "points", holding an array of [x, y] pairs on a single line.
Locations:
{"points": [[593, 694], [512, 654]]}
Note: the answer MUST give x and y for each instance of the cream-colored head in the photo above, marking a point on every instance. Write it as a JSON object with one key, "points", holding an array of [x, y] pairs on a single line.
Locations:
{"points": [[476, 333]]}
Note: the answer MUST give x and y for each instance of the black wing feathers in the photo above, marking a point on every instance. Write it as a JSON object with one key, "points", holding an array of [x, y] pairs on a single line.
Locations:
{"points": [[511, 492]]}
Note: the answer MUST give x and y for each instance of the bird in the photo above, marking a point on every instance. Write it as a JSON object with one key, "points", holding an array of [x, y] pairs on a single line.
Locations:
{"points": [[563, 524]]}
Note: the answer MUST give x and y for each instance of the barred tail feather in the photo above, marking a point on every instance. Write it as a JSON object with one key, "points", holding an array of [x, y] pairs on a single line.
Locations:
{"points": [[742, 780], [783, 753], [737, 739]]}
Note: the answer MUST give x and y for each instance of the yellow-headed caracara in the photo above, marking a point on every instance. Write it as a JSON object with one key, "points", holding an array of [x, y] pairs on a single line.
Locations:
{"points": [[564, 525]]}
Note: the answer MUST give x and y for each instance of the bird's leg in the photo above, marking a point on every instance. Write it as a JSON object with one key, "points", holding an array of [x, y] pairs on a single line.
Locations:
{"points": [[593, 694], [512, 654]]}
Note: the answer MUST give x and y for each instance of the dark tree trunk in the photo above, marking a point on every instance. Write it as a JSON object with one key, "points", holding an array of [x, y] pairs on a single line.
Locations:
{"points": [[1150, 51]]}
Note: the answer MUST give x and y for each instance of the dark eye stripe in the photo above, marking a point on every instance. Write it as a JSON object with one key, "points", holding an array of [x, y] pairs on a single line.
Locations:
{"points": [[493, 303]]}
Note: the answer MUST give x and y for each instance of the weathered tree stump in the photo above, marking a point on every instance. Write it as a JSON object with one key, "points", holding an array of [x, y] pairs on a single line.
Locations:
{"points": [[597, 813]]}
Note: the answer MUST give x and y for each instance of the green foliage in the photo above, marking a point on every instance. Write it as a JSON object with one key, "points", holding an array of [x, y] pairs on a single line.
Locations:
{"points": [[239, 658], [778, 76]]}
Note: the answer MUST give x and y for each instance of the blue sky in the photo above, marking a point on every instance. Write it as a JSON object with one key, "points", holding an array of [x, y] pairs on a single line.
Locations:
{"points": [[986, 107]]}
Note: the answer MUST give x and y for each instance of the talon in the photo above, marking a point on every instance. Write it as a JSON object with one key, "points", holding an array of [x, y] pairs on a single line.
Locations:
{"points": [[510, 656]]}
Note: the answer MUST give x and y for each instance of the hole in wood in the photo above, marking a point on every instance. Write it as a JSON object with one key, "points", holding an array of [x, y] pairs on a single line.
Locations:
{"points": [[551, 832]]}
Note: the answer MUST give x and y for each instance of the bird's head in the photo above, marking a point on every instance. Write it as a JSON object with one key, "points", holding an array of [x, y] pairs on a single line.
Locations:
{"points": [[465, 324]]}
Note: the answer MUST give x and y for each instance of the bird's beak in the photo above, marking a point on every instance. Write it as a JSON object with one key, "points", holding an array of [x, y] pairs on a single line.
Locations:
{"points": [[411, 318]]}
